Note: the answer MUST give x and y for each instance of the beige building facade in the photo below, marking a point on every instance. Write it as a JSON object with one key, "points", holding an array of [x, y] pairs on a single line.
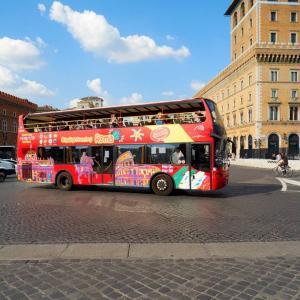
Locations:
{"points": [[258, 94]]}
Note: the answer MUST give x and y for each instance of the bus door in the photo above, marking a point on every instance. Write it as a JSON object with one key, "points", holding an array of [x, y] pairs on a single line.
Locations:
{"points": [[103, 165], [200, 167]]}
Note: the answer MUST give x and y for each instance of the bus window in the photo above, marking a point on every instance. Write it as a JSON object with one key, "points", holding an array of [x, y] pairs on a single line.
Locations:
{"points": [[200, 159], [56, 153], [136, 153], [77, 153], [166, 154]]}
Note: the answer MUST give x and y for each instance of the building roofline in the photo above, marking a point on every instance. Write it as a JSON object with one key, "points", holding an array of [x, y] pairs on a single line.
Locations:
{"points": [[232, 6], [15, 99]]}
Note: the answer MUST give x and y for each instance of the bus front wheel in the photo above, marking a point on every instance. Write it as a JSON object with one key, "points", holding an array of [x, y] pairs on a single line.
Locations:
{"points": [[64, 181], [162, 184]]}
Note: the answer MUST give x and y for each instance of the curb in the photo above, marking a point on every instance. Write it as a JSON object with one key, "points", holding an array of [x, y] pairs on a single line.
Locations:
{"points": [[149, 251]]}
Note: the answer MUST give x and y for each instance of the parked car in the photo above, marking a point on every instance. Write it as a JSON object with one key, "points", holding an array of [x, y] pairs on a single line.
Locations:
{"points": [[6, 168]]}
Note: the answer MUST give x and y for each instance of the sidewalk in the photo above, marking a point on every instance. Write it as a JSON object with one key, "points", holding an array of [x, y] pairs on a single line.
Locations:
{"points": [[262, 163]]}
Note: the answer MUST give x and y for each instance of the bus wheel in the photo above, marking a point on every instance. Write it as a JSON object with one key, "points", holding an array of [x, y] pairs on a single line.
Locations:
{"points": [[64, 181], [162, 185]]}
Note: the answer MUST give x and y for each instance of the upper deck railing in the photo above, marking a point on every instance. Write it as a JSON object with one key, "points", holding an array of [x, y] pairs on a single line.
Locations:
{"points": [[117, 122]]}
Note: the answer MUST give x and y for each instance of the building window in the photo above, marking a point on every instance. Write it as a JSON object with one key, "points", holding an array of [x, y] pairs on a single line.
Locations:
{"points": [[235, 19], [242, 31], [293, 113], [250, 79], [234, 120], [242, 84], [4, 125], [250, 3], [273, 16], [14, 114], [294, 17], [242, 49], [251, 42], [235, 39], [274, 75], [250, 98], [294, 94], [251, 23], [234, 55], [273, 37], [241, 100], [242, 11], [293, 37], [4, 112], [242, 117], [294, 76], [273, 113], [250, 115], [228, 121], [15, 127], [233, 103], [274, 93]]}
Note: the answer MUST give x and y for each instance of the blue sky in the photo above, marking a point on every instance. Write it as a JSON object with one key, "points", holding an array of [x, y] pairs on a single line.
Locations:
{"points": [[125, 51]]}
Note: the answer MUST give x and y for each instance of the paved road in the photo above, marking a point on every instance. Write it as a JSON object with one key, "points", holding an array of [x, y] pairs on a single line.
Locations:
{"points": [[273, 278], [251, 208]]}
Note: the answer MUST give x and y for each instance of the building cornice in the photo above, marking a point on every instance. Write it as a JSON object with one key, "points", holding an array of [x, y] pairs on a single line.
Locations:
{"points": [[16, 100], [260, 53]]}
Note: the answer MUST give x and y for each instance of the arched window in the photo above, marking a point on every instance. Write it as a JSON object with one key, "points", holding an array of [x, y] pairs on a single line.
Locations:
{"points": [[293, 149], [235, 19], [273, 144], [242, 10], [250, 3]]}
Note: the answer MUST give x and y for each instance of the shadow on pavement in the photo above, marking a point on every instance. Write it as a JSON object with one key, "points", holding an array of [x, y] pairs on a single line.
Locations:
{"points": [[232, 190]]}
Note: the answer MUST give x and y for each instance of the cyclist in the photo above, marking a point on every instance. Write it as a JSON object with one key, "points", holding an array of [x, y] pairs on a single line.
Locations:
{"points": [[283, 162]]}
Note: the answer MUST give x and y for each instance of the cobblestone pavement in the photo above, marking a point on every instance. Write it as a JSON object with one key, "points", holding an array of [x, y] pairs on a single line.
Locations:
{"points": [[251, 208], [276, 278]]}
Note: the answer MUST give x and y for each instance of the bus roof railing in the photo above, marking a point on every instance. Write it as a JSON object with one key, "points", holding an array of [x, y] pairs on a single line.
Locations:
{"points": [[134, 109]]}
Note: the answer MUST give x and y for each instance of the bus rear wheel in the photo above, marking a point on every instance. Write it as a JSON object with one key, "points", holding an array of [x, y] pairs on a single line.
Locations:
{"points": [[64, 181], [162, 185]]}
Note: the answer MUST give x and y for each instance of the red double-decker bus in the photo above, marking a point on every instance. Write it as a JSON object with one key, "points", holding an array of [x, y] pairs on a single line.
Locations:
{"points": [[163, 146]]}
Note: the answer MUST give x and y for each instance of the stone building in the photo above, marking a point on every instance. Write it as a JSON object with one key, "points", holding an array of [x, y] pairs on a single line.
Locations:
{"points": [[258, 92], [89, 102], [10, 109]]}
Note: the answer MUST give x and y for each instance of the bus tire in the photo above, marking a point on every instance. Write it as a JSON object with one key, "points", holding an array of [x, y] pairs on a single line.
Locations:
{"points": [[162, 185], [64, 181], [2, 176]]}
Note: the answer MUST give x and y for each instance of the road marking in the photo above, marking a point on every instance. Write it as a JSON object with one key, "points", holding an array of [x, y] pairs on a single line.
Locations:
{"points": [[284, 186], [293, 182]]}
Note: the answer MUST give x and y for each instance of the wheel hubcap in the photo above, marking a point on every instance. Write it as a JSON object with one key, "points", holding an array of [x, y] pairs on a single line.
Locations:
{"points": [[162, 184], [64, 181]]}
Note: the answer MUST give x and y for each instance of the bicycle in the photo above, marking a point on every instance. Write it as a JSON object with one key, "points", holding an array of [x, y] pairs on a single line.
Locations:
{"points": [[283, 171]]}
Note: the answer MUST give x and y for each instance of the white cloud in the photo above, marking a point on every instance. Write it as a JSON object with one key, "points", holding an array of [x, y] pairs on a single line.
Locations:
{"points": [[7, 77], [95, 86], [30, 88], [170, 37], [42, 8], [132, 99], [168, 93], [96, 35], [19, 54], [40, 42], [197, 85]]}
